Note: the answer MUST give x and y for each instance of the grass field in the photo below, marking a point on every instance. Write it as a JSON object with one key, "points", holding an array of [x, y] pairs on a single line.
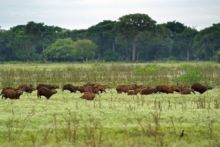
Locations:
{"points": [[111, 119]]}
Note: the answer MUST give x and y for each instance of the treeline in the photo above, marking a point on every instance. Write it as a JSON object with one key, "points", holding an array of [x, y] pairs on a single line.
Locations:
{"points": [[134, 37]]}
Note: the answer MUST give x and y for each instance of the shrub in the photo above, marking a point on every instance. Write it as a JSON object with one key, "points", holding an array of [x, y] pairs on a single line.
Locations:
{"points": [[148, 69], [189, 74], [218, 56]]}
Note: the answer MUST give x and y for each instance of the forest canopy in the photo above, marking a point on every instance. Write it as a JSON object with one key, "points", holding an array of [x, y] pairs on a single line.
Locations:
{"points": [[133, 37]]}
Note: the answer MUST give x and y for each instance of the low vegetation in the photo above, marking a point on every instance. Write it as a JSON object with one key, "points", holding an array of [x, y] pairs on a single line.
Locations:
{"points": [[111, 119]]}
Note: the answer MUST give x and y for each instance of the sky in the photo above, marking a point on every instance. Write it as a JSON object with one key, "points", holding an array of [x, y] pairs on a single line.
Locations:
{"points": [[81, 14]]}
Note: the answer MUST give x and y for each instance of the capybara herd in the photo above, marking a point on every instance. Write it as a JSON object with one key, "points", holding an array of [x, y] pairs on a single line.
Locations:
{"points": [[134, 89], [90, 90]]}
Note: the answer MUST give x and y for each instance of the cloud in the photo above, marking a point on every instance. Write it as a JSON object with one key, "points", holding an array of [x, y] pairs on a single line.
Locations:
{"points": [[78, 14]]}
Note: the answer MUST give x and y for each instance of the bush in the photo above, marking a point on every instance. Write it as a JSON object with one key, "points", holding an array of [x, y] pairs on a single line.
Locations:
{"points": [[218, 56], [148, 69], [189, 74], [61, 50]]}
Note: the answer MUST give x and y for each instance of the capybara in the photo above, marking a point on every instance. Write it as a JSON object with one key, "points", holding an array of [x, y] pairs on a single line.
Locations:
{"points": [[186, 90], [88, 96], [70, 88], [5, 88], [85, 88], [11, 93], [199, 88], [165, 88], [44, 91], [132, 92], [148, 90], [122, 88], [47, 86], [126, 88], [26, 88], [99, 88]]}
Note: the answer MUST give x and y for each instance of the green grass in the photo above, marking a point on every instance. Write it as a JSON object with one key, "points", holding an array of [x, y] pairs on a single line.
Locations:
{"points": [[109, 73], [111, 119], [118, 119]]}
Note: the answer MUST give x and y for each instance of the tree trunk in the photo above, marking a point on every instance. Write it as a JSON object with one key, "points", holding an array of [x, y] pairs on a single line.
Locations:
{"points": [[113, 47], [187, 55], [138, 55], [133, 51]]}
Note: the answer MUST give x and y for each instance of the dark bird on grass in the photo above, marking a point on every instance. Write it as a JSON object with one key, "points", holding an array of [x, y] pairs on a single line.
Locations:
{"points": [[182, 134]]}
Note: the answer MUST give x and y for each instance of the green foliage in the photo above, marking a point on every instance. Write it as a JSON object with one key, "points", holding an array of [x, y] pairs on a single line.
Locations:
{"points": [[218, 56], [152, 46], [150, 69], [110, 55], [207, 42], [189, 74], [131, 37], [183, 42], [61, 50], [68, 50], [103, 35], [175, 27], [85, 49], [130, 25]]}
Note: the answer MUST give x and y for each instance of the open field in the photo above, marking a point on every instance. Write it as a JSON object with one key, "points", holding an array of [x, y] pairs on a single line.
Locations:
{"points": [[111, 119], [109, 73]]}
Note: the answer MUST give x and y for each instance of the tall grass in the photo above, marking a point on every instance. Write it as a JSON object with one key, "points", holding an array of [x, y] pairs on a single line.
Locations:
{"points": [[111, 119], [112, 74]]}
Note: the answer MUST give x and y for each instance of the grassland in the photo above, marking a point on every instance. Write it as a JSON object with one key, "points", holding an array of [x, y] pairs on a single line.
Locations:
{"points": [[111, 119]]}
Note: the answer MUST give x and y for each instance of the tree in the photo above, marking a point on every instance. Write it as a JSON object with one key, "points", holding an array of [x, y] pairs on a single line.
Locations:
{"points": [[218, 56], [85, 49], [207, 42], [104, 36], [61, 50], [152, 46], [175, 27], [182, 47], [130, 25]]}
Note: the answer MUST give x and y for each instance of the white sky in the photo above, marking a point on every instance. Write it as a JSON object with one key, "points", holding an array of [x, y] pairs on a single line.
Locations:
{"points": [[81, 14]]}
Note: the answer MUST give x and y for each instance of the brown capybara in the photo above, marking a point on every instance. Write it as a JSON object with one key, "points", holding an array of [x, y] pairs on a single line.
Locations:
{"points": [[85, 88], [11, 93], [99, 88], [89, 84], [70, 88], [165, 88], [5, 88], [126, 88], [122, 88], [47, 86], [180, 88], [26, 88], [186, 90], [148, 90], [44, 91], [199, 88], [132, 92], [88, 96]]}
